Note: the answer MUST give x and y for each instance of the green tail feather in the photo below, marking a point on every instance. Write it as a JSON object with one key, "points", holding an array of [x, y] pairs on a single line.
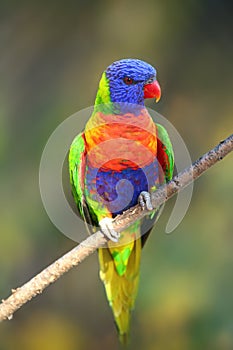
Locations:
{"points": [[121, 284], [124, 339]]}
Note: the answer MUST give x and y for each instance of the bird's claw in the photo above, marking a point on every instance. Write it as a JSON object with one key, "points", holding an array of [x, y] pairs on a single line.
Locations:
{"points": [[144, 200], [105, 226]]}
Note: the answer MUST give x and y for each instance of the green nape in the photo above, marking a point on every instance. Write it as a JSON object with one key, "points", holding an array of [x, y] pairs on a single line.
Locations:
{"points": [[103, 93]]}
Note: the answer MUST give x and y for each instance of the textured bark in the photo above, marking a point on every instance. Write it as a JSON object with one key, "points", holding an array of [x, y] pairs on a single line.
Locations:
{"points": [[49, 275]]}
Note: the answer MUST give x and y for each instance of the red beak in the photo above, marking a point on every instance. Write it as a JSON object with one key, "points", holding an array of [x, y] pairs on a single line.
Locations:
{"points": [[152, 90]]}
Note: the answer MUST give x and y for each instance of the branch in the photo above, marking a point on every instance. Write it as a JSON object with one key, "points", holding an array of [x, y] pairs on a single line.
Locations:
{"points": [[49, 275]]}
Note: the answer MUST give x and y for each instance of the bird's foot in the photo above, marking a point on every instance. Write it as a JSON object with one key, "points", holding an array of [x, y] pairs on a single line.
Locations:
{"points": [[144, 200], [105, 226]]}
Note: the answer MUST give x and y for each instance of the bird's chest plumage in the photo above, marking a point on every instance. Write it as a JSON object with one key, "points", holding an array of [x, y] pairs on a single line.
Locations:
{"points": [[121, 161]]}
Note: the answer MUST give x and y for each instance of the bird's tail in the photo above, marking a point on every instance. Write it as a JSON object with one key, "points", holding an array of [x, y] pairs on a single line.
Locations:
{"points": [[119, 271]]}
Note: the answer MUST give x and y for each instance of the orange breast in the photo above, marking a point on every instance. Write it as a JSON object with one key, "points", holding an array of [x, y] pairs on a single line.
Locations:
{"points": [[117, 142]]}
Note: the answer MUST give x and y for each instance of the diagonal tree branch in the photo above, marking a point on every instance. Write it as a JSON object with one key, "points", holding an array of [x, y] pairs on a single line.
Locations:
{"points": [[54, 271]]}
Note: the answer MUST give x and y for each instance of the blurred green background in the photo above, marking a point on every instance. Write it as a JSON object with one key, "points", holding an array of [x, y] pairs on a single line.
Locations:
{"points": [[52, 56]]}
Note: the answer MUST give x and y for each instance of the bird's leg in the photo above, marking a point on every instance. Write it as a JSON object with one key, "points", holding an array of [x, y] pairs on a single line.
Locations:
{"points": [[105, 226], [144, 200]]}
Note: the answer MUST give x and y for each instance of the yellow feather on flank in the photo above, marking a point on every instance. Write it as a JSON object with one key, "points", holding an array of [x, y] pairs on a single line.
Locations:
{"points": [[121, 289]]}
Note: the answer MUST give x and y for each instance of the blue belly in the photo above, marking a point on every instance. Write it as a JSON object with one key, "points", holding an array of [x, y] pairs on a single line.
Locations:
{"points": [[118, 191]]}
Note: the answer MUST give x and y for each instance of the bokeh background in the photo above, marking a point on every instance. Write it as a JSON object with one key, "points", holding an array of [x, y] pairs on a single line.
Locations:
{"points": [[52, 56]]}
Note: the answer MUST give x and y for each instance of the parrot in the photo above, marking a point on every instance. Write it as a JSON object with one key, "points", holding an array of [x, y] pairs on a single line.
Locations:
{"points": [[121, 156]]}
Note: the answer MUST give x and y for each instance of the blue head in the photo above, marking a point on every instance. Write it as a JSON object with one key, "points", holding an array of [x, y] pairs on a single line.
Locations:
{"points": [[131, 81], [124, 86]]}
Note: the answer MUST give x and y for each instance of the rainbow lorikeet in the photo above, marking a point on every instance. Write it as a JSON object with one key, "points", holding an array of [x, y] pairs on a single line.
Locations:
{"points": [[115, 162]]}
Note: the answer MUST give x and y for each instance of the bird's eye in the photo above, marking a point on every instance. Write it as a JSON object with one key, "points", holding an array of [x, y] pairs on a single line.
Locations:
{"points": [[128, 80]]}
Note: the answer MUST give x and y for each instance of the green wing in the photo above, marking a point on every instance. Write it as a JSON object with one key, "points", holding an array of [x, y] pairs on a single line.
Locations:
{"points": [[165, 158], [77, 169], [77, 164], [165, 152]]}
